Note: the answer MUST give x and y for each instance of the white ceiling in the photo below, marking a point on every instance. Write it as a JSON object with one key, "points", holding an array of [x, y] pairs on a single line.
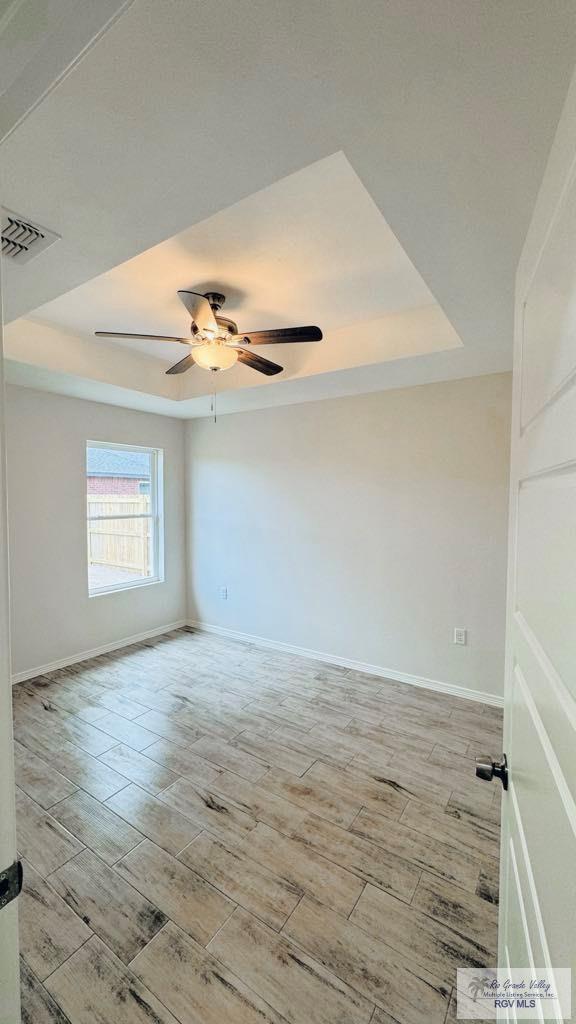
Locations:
{"points": [[40, 41], [444, 110], [310, 249]]}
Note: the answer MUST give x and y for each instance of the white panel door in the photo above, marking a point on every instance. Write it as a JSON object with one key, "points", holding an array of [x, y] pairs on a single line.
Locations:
{"points": [[538, 907]]}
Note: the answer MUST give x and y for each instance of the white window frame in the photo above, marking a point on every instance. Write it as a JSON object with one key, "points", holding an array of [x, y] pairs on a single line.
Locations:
{"points": [[156, 514]]}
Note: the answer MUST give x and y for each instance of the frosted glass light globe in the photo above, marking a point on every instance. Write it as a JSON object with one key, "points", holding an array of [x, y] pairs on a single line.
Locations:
{"points": [[214, 356]]}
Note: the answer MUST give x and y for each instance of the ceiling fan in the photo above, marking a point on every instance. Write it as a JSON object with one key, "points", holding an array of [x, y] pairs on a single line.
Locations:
{"points": [[216, 343]]}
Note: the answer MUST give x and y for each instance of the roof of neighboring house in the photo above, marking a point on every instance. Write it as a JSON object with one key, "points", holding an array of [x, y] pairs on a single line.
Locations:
{"points": [[116, 462]]}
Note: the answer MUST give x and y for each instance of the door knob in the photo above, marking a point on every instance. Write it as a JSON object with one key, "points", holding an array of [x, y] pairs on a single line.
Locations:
{"points": [[487, 769]]}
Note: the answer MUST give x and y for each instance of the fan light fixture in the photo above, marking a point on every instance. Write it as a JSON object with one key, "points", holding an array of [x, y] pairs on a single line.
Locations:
{"points": [[215, 342], [214, 356]]}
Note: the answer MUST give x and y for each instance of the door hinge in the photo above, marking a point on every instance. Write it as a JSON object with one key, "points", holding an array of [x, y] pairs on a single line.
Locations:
{"points": [[10, 883]]}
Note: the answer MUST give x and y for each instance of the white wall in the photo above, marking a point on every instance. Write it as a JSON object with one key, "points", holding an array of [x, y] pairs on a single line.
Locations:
{"points": [[364, 527], [52, 616]]}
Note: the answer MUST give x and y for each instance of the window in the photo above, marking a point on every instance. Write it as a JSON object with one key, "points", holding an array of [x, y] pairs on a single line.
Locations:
{"points": [[124, 516]]}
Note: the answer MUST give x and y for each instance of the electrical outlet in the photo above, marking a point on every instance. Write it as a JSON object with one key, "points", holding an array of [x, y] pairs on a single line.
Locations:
{"points": [[223, 593], [460, 636]]}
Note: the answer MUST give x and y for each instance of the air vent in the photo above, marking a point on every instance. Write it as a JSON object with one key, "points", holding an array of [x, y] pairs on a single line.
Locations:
{"points": [[22, 240]]}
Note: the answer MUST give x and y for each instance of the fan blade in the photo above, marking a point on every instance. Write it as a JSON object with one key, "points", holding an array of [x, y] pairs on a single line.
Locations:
{"points": [[258, 363], [282, 336], [199, 309], [183, 365], [146, 337]]}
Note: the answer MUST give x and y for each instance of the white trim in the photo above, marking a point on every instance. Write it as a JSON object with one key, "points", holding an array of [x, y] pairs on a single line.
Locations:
{"points": [[533, 892], [552, 677], [521, 904], [116, 645], [104, 519], [453, 689], [117, 588], [145, 448], [564, 791]]}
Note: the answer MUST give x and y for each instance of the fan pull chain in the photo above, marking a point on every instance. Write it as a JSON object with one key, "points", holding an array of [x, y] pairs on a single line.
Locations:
{"points": [[213, 399]]}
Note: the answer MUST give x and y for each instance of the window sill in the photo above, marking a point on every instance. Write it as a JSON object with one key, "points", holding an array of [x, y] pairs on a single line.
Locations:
{"points": [[120, 587]]}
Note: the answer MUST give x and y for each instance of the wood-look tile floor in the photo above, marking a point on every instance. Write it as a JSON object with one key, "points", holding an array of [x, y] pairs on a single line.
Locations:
{"points": [[216, 833]]}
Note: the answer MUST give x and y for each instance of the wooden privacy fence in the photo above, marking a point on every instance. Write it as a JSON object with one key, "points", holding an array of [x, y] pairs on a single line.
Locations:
{"points": [[124, 543]]}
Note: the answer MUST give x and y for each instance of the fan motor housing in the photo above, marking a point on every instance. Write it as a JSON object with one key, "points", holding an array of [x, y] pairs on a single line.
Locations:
{"points": [[227, 325]]}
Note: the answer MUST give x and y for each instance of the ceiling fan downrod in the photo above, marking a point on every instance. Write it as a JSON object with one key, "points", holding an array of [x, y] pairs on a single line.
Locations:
{"points": [[216, 300]]}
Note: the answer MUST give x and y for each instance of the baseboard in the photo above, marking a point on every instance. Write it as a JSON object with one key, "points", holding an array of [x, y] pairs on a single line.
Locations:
{"points": [[73, 659], [480, 696]]}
